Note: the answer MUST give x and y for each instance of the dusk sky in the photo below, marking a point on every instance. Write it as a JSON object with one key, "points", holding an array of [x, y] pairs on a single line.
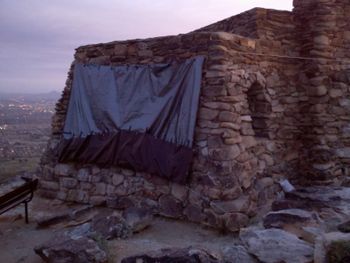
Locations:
{"points": [[38, 38]]}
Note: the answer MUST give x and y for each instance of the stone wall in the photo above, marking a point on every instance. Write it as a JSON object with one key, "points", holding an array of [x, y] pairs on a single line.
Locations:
{"points": [[270, 108], [275, 29], [323, 35], [244, 24], [233, 148]]}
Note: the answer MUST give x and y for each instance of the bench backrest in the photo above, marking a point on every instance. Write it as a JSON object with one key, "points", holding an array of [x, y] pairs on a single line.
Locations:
{"points": [[19, 195]]}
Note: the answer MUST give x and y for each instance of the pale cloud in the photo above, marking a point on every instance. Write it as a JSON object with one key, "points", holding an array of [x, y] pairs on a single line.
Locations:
{"points": [[38, 37]]}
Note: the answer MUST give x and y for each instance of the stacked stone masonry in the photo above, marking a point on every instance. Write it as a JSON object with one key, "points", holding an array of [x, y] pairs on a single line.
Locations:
{"points": [[274, 104]]}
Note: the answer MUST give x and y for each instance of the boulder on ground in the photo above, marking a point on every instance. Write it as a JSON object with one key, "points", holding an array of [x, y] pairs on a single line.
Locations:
{"points": [[63, 214], [237, 254], [276, 245], [66, 249], [173, 255], [280, 218], [110, 226], [138, 218], [47, 220]]}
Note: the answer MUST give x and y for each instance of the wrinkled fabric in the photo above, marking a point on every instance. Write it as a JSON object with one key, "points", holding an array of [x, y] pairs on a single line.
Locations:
{"points": [[141, 152], [160, 99], [139, 116]]}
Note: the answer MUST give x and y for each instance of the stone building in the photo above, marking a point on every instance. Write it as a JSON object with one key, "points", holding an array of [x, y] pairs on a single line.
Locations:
{"points": [[274, 103]]}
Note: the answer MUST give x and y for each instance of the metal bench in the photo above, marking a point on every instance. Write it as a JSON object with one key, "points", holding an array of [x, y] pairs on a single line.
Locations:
{"points": [[22, 194]]}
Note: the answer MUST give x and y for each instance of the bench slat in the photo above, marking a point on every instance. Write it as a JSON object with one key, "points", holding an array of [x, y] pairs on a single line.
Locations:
{"points": [[13, 205], [22, 194], [31, 186], [16, 199]]}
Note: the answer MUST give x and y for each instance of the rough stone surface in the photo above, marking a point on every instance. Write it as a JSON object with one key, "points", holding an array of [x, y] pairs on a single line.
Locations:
{"points": [[47, 220], [110, 226], [194, 213], [122, 202], [170, 207], [67, 249], [185, 255], [235, 221], [237, 254], [137, 218], [239, 205], [275, 245], [288, 216]]}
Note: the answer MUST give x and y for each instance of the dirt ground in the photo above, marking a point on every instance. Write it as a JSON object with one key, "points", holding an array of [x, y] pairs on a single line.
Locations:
{"points": [[17, 239]]}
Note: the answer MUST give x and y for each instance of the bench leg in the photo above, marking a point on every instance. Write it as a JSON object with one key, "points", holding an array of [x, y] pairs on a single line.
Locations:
{"points": [[26, 211]]}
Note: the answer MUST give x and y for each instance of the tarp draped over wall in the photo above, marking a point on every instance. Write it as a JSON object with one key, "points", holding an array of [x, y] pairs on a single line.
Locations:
{"points": [[141, 116]]}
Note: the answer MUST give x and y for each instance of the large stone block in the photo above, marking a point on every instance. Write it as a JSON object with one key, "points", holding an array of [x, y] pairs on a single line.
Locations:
{"points": [[249, 141], [232, 193], [100, 189], [321, 40], [172, 255], [235, 140], [228, 152], [275, 245], [97, 200], [83, 175], [279, 219], [194, 213], [237, 254], [49, 185], [66, 249], [69, 183], [179, 191], [235, 221], [217, 105], [318, 91], [77, 196], [170, 207], [64, 169], [208, 114], [227, 116], [229, 125], [343, 152], [335, 93], [240, 204], [117, 179], [122, 202]]}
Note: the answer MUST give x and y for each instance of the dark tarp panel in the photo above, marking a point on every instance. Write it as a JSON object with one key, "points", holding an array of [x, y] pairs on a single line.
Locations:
{"points": [[142, 116]]}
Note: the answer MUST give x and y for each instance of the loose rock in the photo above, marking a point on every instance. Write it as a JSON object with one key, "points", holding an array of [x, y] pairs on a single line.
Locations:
{"points": [[237, 254], [110, 227], [137, 218], [173, 255], [65, 249], [288, 216], [275, 245]]}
